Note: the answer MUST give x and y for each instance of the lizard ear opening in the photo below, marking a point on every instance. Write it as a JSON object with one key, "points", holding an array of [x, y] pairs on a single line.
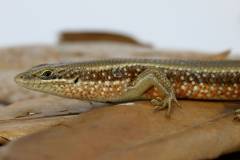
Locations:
{"points": [[76, 80]]}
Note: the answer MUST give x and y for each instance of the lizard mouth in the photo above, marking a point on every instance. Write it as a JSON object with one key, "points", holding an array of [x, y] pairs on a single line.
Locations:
{"points": [[19, 79], [23, 80]]}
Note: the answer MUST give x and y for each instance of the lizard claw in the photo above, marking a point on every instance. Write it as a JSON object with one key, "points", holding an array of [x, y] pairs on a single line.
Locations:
{"points": [[160, 104]]}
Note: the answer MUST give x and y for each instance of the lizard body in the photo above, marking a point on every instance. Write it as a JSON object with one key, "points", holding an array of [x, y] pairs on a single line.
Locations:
{"points": [[119, 80]]}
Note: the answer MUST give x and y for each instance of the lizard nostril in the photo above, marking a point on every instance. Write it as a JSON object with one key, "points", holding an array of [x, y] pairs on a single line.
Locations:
{"points": [[19, 77]]}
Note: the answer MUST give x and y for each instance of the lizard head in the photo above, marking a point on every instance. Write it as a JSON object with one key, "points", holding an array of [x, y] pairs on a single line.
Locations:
{"points": [[47, 78]]}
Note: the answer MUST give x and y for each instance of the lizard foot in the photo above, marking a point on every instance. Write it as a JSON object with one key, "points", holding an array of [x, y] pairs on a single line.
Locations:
{"points": [[237, 115], [160, 104]]}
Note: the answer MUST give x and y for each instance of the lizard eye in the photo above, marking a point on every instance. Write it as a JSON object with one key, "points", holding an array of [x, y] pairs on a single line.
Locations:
{"points": [[46, 74]]}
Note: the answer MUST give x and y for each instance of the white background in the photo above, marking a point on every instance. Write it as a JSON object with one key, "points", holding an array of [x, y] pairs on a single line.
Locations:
{"points": [[210, 25]]}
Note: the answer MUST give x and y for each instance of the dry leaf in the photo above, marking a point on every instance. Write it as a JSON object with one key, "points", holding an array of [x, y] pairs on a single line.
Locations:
{"points": [[18, 114], [96, 36], [201, 130], [191, 55], [16, 128], [44, 107]]}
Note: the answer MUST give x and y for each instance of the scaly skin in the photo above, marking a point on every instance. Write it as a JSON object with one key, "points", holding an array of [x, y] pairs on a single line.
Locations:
{"points": [[119, 80]]}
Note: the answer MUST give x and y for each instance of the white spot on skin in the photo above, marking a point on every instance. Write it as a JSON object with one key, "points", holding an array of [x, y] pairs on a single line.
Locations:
{"points": [[123, 82], [107, 83], [116, 82], [127, 104], [189, 92], [195, 88], [183, 87], [91, 83], [96, 86], [105, 89], [212, 88], [208, 95], [197, 75]]}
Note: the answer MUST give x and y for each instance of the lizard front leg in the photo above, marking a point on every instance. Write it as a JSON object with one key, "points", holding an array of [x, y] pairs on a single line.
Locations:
{"points": [[153, 78], [237, 115]]}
